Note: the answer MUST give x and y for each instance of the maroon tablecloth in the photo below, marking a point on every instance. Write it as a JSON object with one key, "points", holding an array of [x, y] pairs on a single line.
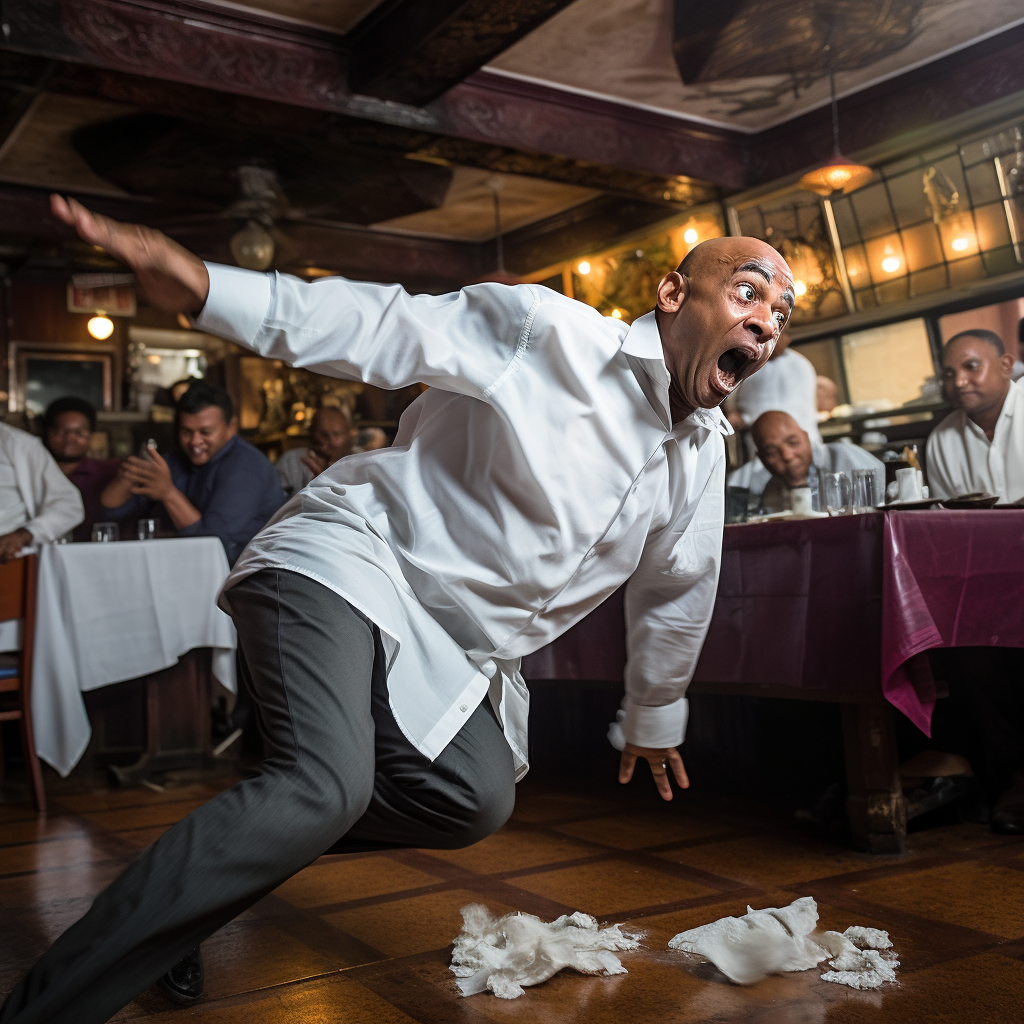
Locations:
{"points": [[950, 579], [843, 604]]}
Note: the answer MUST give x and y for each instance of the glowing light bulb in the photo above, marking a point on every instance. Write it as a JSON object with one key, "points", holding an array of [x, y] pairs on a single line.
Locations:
{"points": [[800, 288], [890, 262], [959, 244], [690, 236], [616, 314], [583, 268], [100, 327]]}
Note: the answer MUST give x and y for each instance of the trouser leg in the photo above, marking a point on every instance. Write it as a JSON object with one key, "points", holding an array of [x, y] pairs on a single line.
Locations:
{"points": [[309, 658]]}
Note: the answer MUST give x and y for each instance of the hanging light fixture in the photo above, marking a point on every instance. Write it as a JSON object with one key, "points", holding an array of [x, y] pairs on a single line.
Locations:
{"points": [[839, 174], [499, 275]]}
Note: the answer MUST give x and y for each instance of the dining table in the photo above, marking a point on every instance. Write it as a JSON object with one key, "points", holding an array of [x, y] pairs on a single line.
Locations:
{"points": [[841, 609], [111, 612]]}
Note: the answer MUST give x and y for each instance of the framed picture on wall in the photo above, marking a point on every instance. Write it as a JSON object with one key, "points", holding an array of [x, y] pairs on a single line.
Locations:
{"points": [[42, 372]]}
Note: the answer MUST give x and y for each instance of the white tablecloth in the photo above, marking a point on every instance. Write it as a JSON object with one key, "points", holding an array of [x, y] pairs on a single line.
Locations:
{"points": [[110, 612]]}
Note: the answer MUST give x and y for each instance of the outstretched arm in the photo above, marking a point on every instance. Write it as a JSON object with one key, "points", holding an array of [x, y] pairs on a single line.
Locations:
{"points": [[173, 279], [466, 341]]}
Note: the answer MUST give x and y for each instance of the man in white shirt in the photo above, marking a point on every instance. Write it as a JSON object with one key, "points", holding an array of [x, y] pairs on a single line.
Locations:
{"points": [[788, 382], [38, 503], [382, 614], [789, 457], [980, 446]]}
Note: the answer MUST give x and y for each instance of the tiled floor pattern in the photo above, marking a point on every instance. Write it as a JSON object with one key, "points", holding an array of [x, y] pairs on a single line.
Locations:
{"points": [[365, 939]]}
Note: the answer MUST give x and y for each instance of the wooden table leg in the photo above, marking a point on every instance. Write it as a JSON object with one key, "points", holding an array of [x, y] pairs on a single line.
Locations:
{"points": [[875, 804]]}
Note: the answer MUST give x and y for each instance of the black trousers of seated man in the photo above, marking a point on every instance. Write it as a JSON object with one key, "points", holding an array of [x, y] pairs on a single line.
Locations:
{"points": [[338, 776]]}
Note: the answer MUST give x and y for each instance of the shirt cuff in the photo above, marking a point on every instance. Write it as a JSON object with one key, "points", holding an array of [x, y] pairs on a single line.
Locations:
{"points": [[237, 305], [657, 727]]}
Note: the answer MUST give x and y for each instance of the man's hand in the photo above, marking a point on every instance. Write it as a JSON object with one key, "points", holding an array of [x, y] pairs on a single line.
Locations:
{"points": [[314, 462], [150, 476], [661, 762], [172, 278], [11, 543]]}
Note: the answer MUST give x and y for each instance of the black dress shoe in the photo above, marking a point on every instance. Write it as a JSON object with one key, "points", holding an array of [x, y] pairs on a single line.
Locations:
{"points": [[184, 982], [1008, 813]]}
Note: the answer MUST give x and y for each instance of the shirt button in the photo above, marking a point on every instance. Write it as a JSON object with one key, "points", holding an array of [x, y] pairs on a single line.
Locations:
{"points": [[463, 708]]}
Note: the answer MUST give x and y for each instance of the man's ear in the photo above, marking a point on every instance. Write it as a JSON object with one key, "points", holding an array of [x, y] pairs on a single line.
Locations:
{"points": [[1006, 362], [673, 292], [233, 426]]}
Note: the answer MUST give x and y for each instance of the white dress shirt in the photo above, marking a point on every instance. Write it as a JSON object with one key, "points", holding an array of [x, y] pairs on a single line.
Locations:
{"points": [[538, 472], [34, 493], [961, 459], [787, 383]]}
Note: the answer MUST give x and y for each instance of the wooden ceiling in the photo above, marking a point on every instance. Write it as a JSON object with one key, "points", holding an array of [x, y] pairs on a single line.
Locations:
{"points": [[387, 133]]}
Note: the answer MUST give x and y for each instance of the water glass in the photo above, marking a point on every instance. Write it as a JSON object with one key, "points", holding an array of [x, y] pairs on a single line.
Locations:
{"points": [[865, 489], [837, 493], [65, 538], [105, 532], [147, 529]]}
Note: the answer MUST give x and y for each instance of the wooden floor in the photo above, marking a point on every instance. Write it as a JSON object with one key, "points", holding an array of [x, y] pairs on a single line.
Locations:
{"points": [[365, 939]]}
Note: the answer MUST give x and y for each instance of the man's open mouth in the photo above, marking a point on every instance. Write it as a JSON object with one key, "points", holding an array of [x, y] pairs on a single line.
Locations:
{"points": [[731, 367]]}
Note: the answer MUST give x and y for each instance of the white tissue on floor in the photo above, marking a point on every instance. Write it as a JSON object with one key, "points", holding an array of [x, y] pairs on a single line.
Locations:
{"points": [[504, 954], [762, 942]]}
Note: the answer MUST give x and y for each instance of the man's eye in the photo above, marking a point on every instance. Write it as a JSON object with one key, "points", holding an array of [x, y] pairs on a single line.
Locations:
{"points": [[747, 292]]}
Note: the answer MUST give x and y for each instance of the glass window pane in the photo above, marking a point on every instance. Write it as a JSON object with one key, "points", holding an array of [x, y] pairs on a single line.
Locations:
{"points": [[992, 229], [963, 272], [857, 266], [908, 198], [925, 281], [982, 183], [871, 205], [922, 246], [885, 257], [845, 224], [892, 291], [866, 299], [1001, 261], [886, 366], [826, 357]]}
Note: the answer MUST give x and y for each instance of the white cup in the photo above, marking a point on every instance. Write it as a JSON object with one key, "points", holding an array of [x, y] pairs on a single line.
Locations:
{"points": [[800, 501], [909, 483]]}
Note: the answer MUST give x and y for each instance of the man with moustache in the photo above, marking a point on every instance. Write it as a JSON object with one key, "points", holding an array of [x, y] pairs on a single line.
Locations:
{"points": [[980, 446], [555, 455]]}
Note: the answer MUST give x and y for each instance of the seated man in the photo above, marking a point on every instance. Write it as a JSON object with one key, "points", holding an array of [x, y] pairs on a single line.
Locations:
{"points": [[980, 446], [330, 438], [218, 486], [790, 457], [68, 424], [37, 502]]}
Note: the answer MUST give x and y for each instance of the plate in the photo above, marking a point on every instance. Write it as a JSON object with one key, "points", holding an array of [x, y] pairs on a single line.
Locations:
{"points": [[965, 501], [909, 506]]}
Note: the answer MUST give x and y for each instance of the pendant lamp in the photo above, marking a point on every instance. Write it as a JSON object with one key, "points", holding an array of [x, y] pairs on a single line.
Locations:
{"points": [[839, 174]]}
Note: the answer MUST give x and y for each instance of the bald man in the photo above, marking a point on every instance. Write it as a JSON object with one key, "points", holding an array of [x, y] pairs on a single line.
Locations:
{"points": [[555, 455], [331, 437], [790, 458], [980, 446]]}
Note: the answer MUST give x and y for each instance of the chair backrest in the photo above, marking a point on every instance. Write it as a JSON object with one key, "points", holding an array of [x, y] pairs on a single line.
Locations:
{"points": [[14, 577]]}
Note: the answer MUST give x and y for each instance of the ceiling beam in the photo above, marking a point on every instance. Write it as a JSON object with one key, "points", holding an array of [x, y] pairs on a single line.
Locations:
{"points": [[412, 51]]}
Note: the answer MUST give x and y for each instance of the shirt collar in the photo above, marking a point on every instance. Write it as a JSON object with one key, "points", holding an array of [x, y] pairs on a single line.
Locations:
{"points": [[643, 343]]}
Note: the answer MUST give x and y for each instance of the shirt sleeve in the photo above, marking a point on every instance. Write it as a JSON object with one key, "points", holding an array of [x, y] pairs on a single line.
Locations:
{"points": [[59, 506], [669, 601], [465, 341], [233, 513]]}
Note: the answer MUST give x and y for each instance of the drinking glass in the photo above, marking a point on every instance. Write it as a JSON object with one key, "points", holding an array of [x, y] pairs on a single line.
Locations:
{"points": [[865, 489], [104, 532], [147, 529], [65, 538], [837, 493]]}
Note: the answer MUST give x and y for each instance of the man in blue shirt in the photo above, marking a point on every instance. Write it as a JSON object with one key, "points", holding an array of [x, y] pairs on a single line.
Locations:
{"points": [[218, 485]]}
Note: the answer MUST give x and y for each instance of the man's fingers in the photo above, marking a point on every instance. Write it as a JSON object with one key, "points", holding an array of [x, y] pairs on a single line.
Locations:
{"points": [[659, 771], [678, 769], [626, 765]]}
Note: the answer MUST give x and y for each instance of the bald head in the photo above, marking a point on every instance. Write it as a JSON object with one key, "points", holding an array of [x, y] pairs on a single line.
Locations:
{"points": [[330, 433], [783, 446], [719, 316]]}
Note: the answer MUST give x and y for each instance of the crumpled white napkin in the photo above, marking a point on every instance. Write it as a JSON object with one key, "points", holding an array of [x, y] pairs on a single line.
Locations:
{"points": [[504, 954], [762, 942]]}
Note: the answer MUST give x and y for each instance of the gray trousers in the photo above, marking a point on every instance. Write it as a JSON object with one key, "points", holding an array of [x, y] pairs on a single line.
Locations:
{"points": [[338, 776]]}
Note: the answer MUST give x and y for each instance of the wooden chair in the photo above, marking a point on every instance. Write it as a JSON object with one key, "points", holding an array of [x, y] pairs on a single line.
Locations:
{"points": [[18, 601]]}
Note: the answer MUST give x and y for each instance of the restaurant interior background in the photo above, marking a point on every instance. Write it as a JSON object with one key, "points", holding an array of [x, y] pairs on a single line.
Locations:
{"points": [[580, 173]]}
